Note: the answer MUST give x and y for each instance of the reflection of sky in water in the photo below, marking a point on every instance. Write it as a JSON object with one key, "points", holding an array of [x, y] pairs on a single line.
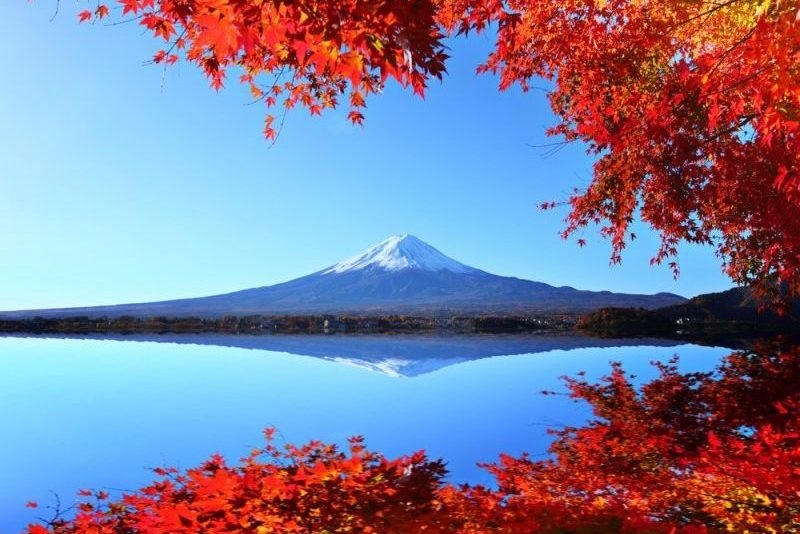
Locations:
{"points": [[89, 413]]}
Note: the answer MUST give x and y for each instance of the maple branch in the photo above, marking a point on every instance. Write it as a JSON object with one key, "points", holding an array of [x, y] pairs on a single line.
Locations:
{"points": [[553, 151], [717, 7], [742, 81], [730, 50], [552, 148], [743, 121], [716, 496], [549, 145], [126, 21], [55, 14], [283, 117], [176, 41], [266, 91], [58, 513], [731, 475]]}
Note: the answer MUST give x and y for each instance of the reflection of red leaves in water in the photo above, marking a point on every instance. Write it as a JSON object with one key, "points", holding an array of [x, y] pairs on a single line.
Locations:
{"points": [[694, 452]]}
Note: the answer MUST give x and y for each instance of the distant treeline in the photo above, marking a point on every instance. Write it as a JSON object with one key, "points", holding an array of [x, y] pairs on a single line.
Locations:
{"points": [[289, 324], [686, 323], [735, 313]]}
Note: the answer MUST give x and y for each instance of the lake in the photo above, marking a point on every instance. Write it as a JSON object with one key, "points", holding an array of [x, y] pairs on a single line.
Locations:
{"points": [[80, 412]]}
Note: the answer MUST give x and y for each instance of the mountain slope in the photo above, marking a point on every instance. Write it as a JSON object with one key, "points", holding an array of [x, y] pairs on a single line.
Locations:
{"points": [[399, 275], [735, 304]]}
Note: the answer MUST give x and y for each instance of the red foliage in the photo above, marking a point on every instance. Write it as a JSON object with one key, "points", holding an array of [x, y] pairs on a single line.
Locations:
{"points": [[692, 110], [696, 452], [314, 51]]}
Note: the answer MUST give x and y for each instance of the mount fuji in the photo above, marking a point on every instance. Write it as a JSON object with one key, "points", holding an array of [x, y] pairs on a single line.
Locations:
{"points": [[401, 274]]}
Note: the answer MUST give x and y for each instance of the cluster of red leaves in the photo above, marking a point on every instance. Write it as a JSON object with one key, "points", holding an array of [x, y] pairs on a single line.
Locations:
{"points": [[696, 452], [312, 51], [692, 110]]}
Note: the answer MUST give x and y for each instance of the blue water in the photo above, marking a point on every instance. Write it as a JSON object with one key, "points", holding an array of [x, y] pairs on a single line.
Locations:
{"points": [[94, 413]]}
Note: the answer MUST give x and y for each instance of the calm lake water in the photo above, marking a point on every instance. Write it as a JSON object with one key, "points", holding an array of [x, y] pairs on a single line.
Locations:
{"points": [[95, 413]]}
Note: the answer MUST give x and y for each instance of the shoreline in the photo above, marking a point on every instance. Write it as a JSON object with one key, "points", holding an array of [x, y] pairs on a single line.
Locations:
{"points": [[718, 333]]}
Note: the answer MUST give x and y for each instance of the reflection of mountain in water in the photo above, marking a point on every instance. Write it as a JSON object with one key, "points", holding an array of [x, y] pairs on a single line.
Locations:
{"points": [[395, 355]]}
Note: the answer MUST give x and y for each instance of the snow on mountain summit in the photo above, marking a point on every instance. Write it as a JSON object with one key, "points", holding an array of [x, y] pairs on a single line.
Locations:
{"points": [[400, 252]]}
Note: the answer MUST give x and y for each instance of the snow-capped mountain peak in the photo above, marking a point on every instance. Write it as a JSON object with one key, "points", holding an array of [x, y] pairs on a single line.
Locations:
{"points": [[400, 275], [400, 252]]}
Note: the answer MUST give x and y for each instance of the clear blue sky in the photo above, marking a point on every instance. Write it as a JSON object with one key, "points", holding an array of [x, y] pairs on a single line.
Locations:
{"points": [[120, 183]]}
